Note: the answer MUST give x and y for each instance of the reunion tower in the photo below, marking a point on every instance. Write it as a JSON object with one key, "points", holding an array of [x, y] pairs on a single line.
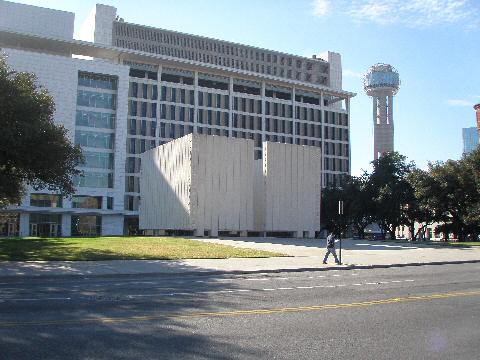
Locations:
{"points": [[381, 82], [477, 110]]}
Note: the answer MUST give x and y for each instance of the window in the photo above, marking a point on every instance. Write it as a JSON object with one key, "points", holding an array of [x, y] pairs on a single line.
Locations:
{"points": [[86, 225], [97, 81], [96, 100], [95, 180], [153, 112], [95, 119], [93, 139], [97, 160], [46, 200], [133, 90], [132, 184], [137, 73], [86, 202]]}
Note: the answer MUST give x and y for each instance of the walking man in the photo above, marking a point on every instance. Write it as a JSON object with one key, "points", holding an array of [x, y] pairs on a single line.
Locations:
{"points": [[331, 249]]}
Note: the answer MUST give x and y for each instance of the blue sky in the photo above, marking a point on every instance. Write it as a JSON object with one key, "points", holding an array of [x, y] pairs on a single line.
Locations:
{"points": [[434, 44]]}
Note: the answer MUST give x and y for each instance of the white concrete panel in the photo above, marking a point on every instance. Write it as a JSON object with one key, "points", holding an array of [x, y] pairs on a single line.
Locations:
{"points": [[292, 188], [36, 20], [189, 190], [104, 17]]}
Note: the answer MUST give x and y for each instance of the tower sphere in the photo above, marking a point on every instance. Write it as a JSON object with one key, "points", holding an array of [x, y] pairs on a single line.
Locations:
{"points": [[381, 78]]}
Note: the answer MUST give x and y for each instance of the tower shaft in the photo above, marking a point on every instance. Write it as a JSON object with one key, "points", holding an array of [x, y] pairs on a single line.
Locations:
{"points": [[383, 129], [477, 110]]}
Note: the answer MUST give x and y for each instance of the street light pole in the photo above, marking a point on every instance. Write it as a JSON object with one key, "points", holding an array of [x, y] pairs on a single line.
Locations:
{"points": [[340, 213]]}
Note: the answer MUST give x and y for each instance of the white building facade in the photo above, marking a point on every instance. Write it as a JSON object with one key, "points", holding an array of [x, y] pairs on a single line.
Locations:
{"points": [[141, 87]]}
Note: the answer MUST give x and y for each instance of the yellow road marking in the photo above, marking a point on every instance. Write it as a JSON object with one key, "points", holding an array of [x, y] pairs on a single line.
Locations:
{"points": [[242, 312]]}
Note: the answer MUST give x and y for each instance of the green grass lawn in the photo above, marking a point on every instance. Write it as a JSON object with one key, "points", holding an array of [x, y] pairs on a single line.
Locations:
{"points": [[119, 248], [455, 244]]}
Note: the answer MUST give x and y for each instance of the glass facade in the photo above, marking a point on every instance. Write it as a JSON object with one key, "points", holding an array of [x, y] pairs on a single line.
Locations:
{"points": [[95, 180], [470, 139], [94, 139], [379, 79], [96, 99], [97, 160], [98, 81], [46, 200], [95, 119], [45, 225], [86, 225], [87, 202], [9, 224]]}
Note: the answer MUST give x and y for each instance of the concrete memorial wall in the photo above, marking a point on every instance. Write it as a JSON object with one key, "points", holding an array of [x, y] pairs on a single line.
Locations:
{"points": [[205, 183]]}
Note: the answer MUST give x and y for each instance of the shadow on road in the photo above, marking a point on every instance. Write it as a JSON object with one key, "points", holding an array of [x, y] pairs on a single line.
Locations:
{"points": [[122, 317], [349, 244]]}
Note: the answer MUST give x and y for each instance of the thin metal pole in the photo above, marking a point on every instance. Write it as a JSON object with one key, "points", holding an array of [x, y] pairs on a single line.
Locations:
{"points": [[340, 258], [340, 214]]}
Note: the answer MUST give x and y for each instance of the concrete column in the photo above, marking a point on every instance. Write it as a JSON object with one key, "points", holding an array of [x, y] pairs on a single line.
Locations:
{"points": [[24, 224], [195, 94], [104, 202], [66, 225], [390, 111], [322, 164], [159, 106], [294, 117], [263, 112], [26, 200], [230, 106], [349, 147]]}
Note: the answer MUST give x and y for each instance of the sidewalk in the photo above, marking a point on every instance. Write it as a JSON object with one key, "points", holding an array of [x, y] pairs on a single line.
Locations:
{"points": [[304, 254]]}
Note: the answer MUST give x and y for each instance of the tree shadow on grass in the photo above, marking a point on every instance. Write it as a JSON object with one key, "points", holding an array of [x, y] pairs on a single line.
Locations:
{"points": [[48, 249], [79, 249]]}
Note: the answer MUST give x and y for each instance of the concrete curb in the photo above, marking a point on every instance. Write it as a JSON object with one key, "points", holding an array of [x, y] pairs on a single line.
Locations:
{"points": [[234, 272]]}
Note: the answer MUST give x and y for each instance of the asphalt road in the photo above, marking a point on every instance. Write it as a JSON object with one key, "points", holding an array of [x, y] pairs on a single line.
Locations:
{"points": [[427, 312]]}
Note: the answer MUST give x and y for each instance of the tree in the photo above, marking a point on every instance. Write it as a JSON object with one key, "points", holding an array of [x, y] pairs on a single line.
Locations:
{"points": [[357, 205], [331, 220], [33, 149], [417, 209], [390, 190], [455, 195], [360, 207]]}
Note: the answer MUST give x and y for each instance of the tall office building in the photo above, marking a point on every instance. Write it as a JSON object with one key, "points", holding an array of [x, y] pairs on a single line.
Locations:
{"points": [[137, 87], [470, 139]]}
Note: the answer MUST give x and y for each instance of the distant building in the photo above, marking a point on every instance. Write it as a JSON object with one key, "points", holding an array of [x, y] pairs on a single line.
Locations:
{"points": [[470, 139]]}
